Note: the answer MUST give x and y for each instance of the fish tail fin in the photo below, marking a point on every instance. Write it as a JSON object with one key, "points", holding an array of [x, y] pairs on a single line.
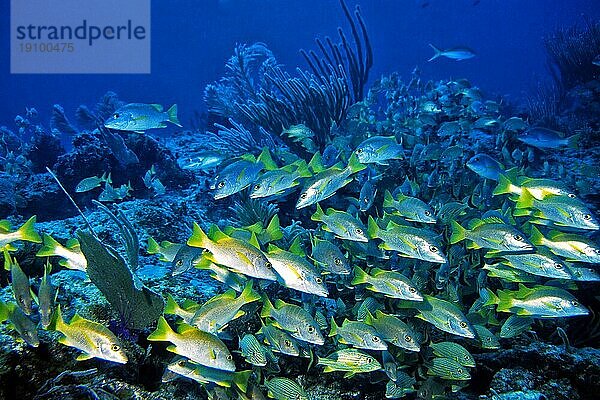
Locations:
{"points": [[198, 238], [536, 236], [388, 199], [369, 319], [525, 200], [49, 247], [153, 246], [267, 160], [372, 228], [458, 233], [249, 294], [488, 297], [504, 185], [240, 379], [437, 53], [163, 331], [316, 163], [302, 169], [573, 141], [334, 328], [59, 322], [318, 215], [360, 276], [172, 113], [171, 306], [27, 231], [267, 308], [273, 230], [354, 165], [505, 301]]}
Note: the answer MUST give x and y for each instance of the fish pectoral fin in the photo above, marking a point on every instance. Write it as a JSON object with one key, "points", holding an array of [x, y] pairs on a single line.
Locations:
{"points": [[328, 369], [243, 257], [240, 313], [84, 356]]}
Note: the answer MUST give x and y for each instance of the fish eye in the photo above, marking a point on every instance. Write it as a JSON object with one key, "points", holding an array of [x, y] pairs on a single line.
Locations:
{"points": [[337, 261], [375, 339], [287, 343], [587, 217], [572, 195], [179, 263], [115, 347], [318, 280], [268, 265], [427, 213], [366, 200], [574, 303], [311, 329], [229, 357], [358, 231], [433, 249], [359, 151], [408, 338], [257, 186], [181, 363], [116, 115], [463, 324], [459, 370], [303, 196], [518, 238], [221, 185], [558, 266], [412, 289]]}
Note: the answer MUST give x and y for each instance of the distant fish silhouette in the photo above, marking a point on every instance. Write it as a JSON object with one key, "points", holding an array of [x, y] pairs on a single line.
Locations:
{"points": [[455, 53]]}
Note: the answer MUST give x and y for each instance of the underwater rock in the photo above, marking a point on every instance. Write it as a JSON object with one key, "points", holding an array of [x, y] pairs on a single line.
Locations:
{"points": [[43, 151], [8, 201], [39, 195]]}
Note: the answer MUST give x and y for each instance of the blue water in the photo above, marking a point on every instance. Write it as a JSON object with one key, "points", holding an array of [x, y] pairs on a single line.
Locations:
{"points": [[191, 40]]}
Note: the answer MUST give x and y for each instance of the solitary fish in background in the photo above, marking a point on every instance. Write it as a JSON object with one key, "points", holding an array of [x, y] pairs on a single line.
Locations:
{"points": [[94, 339], [26, 233], [455, 53], [544, 138], [87, 184], [138, 117], [486, 166]]}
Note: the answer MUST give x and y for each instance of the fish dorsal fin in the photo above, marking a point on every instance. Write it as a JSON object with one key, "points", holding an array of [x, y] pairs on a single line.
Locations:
{"points": [[157, 107], [316, 163], [296, 247], [248, 157], [73, 244], [475, 222], [255, 228], [254, 241], [76, 318], [278, 303], [271, 248], [523, 291], [493, 219], [216, 234]]}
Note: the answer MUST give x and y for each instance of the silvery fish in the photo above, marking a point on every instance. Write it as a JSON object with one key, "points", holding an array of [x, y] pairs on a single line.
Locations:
{"points": [[206, 375], [92, 338], [447, 368], [540, 264], [87, 184], [329, 256], [185, 258], [389, 283], [571, 246], [538, 188], [293, 319], [445, 316], [235, 177], [455, 53], [515, 325], [379, 150], [357, 334], [539, 302], [485, 166], [279, 181], [454, 351], [351, 361], [238, 256], [26, 233], [279, 340], [295, 272], [327, 181], [491, 233], [201, 347], [46, 298], [544, 138], [394, 331], [139, 117], [24, 326], [411, 208], [285, 389], [342, 224], [20, 286], [408, 241]]}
